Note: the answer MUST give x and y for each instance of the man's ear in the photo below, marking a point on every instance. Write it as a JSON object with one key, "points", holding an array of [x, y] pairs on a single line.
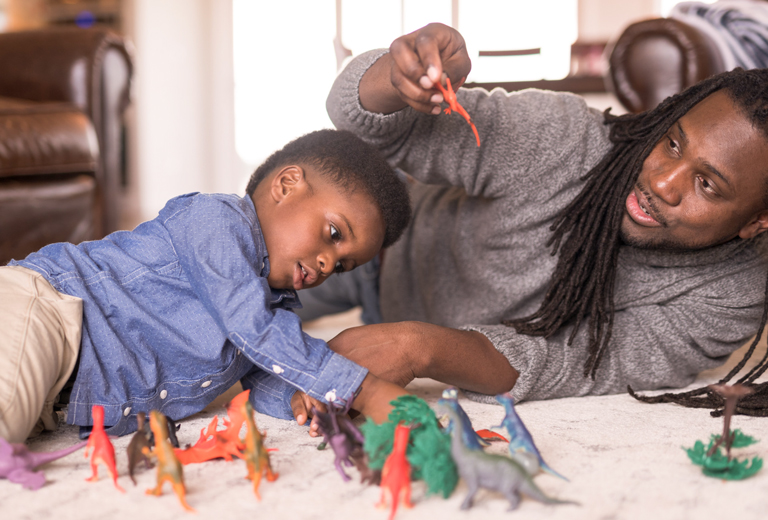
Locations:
{"points": [[288, 180], [755, 226]]}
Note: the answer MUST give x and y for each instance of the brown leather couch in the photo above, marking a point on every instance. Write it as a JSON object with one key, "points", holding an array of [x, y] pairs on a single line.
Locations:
{"points": [[653, 59], [63, 92]]}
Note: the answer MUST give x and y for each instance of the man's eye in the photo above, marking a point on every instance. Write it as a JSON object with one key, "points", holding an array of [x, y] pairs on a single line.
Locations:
{"points": [[335, 235], [338, 268], [673, 145]]}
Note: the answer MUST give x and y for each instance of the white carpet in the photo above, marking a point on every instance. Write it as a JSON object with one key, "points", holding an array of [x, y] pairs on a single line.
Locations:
{"points": [[624, 460]]}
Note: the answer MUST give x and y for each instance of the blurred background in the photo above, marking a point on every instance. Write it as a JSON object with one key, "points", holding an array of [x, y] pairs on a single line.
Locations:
{"points": [[219, 84]]}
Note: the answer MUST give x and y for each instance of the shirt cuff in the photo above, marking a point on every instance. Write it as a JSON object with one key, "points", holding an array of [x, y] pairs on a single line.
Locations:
{"points": [[338, 381]]}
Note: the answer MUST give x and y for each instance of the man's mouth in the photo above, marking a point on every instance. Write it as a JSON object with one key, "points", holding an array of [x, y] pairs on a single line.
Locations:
{"points": [[640, 210]]}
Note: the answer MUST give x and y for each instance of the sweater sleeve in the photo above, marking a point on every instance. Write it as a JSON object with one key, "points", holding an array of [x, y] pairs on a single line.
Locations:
{"points": [[516, 133], [661, 345]]}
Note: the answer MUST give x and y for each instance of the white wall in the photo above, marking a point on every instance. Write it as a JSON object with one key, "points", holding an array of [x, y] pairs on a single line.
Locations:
{"points": [[182, 118]]}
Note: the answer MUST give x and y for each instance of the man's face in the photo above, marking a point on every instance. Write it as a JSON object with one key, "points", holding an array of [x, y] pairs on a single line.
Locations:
{"points": [[703, 183], [316, 231]]}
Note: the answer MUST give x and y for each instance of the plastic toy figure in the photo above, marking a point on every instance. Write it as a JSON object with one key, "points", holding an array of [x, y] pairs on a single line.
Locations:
{"points": [[713, 462], [472, 440], [396, 474], [210, 445], [341, 435], [103, 451], [172, 429], [429, 450], [135, 449], [453, 104], [18, 464], [521, 444], [255, 454], [485, 470], [168, 466]]}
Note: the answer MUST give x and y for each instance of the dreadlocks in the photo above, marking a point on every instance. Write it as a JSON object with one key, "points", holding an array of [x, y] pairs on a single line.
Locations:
{"points": [[586, 233]]}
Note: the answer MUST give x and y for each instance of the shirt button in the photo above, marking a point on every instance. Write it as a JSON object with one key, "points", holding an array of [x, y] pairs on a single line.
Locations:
{"points": [[277, 369], [127, 411], [206, 384], [163, 394]]}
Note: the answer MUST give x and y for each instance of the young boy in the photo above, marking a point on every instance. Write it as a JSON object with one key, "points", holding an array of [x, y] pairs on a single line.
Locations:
{"points": [[172, 314]]}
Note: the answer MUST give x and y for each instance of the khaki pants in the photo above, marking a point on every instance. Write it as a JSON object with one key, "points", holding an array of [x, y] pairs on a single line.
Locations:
{"points": [[40, 332]]}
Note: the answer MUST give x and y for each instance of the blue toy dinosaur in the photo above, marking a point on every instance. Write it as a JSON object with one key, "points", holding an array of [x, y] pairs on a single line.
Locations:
{"points": [[486, 470], [521, 444], [471, 439]]}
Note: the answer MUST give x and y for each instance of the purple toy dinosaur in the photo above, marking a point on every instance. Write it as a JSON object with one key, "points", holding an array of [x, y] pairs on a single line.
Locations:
{"points": [[18, 464], [341, 435]]}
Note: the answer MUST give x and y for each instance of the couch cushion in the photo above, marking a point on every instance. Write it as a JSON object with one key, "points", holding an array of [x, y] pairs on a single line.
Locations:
{"points": [[37, 211], [45, 138]]}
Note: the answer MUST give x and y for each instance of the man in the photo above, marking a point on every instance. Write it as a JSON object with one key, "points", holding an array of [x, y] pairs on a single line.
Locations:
{"points": [[572, 253]]}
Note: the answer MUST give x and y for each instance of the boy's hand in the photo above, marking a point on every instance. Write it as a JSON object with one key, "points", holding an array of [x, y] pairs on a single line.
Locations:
{"points": [[416, 61], [302, 404]]}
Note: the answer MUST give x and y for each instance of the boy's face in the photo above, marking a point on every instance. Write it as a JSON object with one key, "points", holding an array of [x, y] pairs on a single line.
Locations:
{"points": [[313, 228]]}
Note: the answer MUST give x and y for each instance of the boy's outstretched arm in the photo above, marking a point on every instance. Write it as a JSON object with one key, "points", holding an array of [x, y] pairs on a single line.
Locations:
{"points": [[399, 352]]}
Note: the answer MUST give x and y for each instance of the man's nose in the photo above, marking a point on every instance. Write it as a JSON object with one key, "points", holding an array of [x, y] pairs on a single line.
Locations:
{"points": [[668, 183]]}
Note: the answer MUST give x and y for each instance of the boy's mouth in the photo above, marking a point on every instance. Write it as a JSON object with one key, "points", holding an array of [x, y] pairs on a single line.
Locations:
{"points": [[303, 276], [640, 210]]}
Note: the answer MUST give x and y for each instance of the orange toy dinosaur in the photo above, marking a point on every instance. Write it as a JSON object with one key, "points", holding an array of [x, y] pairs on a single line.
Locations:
{"points": [[255, 454], [168, 466], [453, 104], [396, 473], [103, 451], [211, 445]]}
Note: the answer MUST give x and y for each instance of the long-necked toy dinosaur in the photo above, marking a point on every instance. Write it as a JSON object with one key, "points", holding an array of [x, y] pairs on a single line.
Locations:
{"points": [[520, 439], [486, 470], [19, 465]]}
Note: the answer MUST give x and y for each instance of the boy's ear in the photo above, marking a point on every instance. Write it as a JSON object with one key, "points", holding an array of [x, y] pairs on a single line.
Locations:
{"points": [[288, 180], [755, 226]]}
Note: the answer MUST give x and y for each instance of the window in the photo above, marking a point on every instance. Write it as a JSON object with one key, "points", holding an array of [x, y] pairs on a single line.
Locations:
{"points": [[285, 60]]}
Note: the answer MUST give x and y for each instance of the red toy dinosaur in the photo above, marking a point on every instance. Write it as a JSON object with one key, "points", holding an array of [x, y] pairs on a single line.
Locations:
{"points": [[168, 466], [453, 104], [103, 451], [396, 473], [255, 454], [211, 445]]}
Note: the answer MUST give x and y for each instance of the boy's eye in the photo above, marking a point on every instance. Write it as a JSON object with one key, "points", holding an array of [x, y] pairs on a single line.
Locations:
{"points": [[335, 234], [338, 268]]}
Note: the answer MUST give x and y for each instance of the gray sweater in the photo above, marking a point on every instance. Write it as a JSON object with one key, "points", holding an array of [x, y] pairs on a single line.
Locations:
{"points": [[476, 251]]}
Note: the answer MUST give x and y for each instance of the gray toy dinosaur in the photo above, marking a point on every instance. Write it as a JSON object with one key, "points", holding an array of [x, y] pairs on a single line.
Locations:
{"points": [[494, 472]]}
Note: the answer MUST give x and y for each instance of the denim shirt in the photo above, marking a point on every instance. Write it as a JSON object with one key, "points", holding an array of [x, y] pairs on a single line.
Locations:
{"points": [[178, 310]]}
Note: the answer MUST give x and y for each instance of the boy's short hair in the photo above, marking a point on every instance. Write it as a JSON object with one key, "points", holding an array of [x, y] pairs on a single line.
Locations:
{"points": [[349, 163]]}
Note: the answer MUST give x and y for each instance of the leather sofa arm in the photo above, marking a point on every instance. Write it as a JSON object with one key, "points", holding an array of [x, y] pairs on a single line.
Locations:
{"points": [[654, 59], [59, 64]]}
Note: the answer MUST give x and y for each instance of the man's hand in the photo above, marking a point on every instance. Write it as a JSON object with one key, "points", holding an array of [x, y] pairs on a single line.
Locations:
{"points": [[399, 352], [407, 75], [384, 349], [302, 404]]}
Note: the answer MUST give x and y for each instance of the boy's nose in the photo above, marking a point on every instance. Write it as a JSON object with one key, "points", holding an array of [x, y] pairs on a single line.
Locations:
{"points": [[325, 262]]}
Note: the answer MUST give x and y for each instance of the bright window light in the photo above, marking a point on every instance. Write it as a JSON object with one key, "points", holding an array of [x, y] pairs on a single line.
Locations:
{"points": [[285, 61], [284, 67], [545, 28], [665, 6]]}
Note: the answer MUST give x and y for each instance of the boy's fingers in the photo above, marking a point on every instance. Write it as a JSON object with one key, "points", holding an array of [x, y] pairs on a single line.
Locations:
{"points": [[299, 408]]}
